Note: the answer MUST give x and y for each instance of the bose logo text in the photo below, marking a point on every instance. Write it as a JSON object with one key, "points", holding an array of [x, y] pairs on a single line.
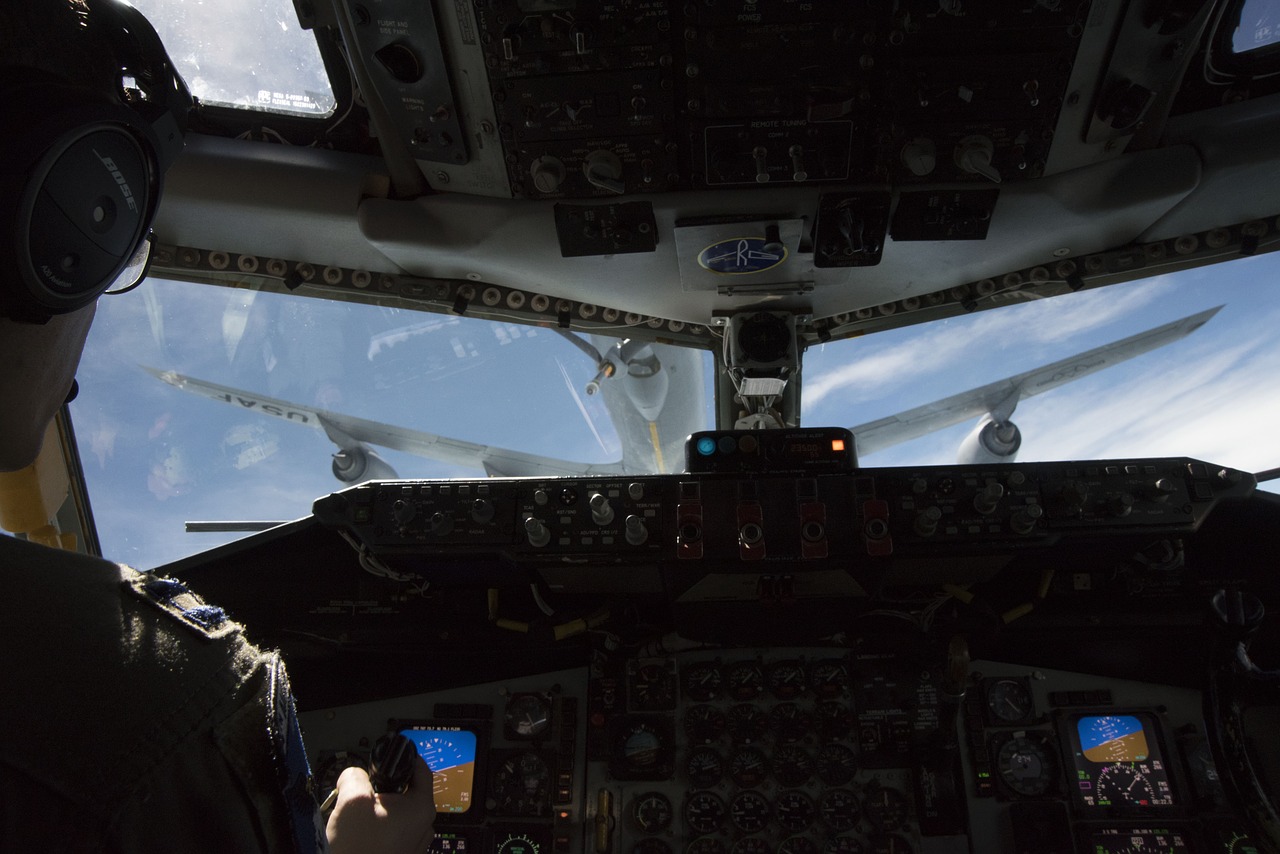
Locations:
{"points": [[124, 185]]}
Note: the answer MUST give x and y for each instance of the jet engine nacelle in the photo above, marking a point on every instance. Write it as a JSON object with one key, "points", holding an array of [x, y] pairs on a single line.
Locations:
{"points": [[357, 465], [990, 442]]}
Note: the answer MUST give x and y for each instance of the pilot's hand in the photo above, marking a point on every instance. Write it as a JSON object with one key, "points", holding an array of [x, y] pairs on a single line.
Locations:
{"points": [[369, 822]]}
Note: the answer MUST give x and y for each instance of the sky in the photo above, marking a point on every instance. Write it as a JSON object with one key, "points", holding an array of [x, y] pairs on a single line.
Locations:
{"points": [[1214, 394], [156, 457]]}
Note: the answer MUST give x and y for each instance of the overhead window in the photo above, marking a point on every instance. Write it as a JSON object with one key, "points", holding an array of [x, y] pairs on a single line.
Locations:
{"points": [[248, 54]]}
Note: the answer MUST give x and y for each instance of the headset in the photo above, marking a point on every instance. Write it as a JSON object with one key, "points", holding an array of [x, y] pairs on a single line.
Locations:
{"points": [[82, 166]]}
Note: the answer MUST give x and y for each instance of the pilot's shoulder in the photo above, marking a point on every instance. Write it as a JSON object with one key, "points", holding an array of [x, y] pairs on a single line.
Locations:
{"points": [[126, 690]]}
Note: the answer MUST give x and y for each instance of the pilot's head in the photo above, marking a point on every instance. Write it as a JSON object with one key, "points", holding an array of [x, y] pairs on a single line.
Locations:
{"points": [[93, 114]]}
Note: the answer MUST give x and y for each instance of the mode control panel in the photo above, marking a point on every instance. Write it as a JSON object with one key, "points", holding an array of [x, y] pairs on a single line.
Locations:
{"points": [[810, 518]]}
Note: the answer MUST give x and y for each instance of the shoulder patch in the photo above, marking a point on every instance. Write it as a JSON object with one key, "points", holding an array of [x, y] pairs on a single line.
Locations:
{"points": [[174, 599]]}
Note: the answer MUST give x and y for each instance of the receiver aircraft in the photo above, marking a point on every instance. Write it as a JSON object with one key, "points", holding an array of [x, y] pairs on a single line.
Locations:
{"points": [[657, 394]]}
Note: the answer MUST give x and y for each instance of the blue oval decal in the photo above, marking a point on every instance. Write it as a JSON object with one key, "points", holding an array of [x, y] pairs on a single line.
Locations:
{"points": [[741, 255]]}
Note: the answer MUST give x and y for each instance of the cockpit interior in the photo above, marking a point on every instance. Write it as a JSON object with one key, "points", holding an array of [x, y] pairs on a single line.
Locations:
{"points": [[626, 348]]}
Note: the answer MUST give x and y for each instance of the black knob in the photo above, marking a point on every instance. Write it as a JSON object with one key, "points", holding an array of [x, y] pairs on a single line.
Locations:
{"points": [[391, 763], [400, 62], [482, 510], [441, 524], [403, 511], [1072, 496]]}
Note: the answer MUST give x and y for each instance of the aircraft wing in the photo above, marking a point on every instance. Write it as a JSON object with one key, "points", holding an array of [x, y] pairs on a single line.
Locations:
{"points": [[923, 420], [494, 460]]}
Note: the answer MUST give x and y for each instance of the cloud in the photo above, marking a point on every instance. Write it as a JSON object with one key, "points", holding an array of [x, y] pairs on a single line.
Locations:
{"points": [[1029, 327]]}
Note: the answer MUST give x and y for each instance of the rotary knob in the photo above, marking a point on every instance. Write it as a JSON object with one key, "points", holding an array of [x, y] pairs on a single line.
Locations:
{"points": [[603, 169], [547, 174], [926, 524], [636, 532], [973, 154], [482, 510], [920, 156], [988, 498], [1163, 488], [1120, 505], [403, 512], [601, 510], [537, 532], [441, 524], [1024, 521], [1071, 496]]}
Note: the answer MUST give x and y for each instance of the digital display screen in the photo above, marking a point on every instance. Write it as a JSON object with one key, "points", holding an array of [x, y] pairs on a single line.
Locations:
{"points": [[450, 753], [1118, 762], [1135, 839], [449, 843]]}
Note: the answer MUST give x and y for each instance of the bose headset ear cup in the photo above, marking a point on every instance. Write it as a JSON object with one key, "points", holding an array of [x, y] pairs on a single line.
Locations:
{"points": [[81, 181], [84, 199]]}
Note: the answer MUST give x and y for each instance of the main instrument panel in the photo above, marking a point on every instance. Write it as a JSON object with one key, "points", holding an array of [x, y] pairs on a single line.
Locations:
{"points": [[802, 750], [802, 695], [1003, 658]]}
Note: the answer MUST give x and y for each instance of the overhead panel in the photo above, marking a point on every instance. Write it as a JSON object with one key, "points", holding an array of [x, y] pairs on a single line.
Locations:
{"points": [[643, 96]]}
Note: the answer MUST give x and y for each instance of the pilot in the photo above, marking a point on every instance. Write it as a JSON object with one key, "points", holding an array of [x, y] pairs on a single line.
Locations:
{"points": [[135, 716]]}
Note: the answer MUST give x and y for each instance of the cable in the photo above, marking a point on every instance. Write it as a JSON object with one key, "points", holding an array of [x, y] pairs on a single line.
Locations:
{"points": [[356, 96], [372, 565], [539, 601]]}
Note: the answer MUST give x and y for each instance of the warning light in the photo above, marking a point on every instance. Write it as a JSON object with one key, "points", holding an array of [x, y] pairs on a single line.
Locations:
{"points": [[837, 444]]}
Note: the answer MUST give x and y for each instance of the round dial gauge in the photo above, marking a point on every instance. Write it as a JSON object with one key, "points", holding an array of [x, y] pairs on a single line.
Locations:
{"points": [[519, 843], [1027, 766], [839, 809], [652, 688], [705, 845], [887, 809], [651, 812], [747, 723], [641, 746], [1123, 784], [651, 846], [1009, 701], [836, 764], [704, 767], [787, 679], [752, 845], [641, 749], [792, 765], [833, 720], [703, 812], [798, 845], [749, 811], [704, 723], [521, 785], [527, 716], [789, 722], [702, 681], [842, 845], [748, 768], [828, 678], [744, 680], [795, 810]]}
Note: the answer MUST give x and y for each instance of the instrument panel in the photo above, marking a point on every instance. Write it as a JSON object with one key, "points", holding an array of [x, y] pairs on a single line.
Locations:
{"points": [[801, 750]]}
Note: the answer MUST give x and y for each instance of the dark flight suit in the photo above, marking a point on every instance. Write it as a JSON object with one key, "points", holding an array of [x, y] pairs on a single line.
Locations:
{"points": [[135, 718]]}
